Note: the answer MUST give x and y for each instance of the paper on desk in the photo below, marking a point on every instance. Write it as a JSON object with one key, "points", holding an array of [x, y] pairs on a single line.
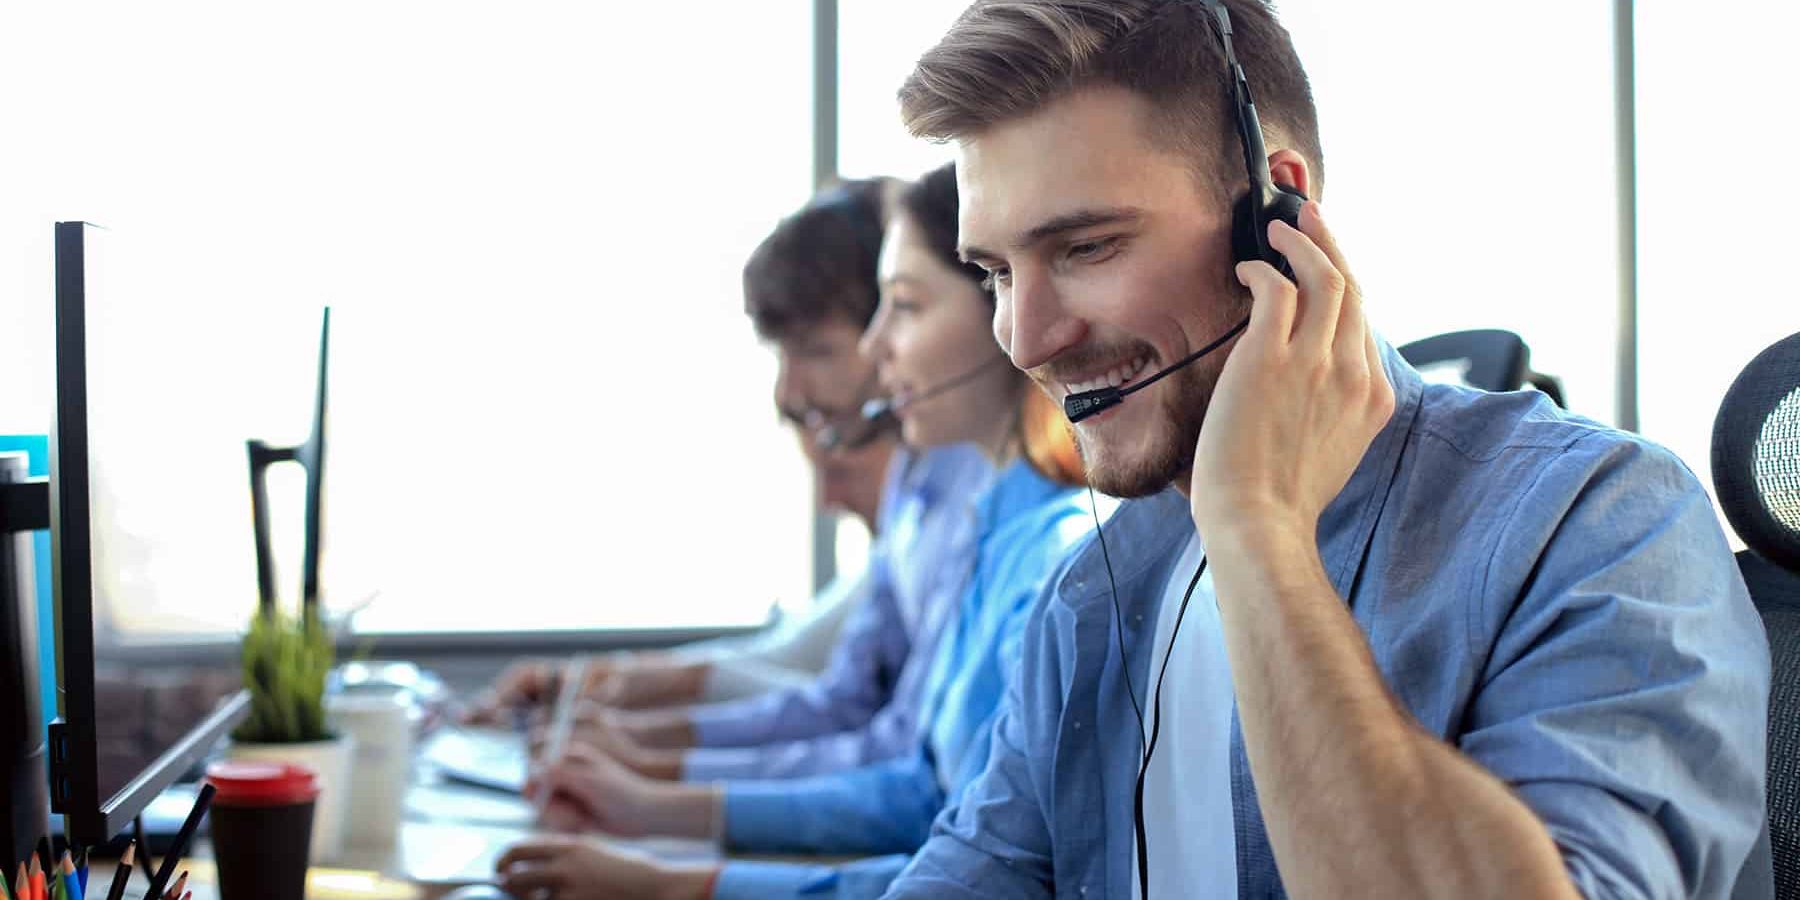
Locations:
{"points": [[489, 757], [455, 853], [454, 834], [447, 802]]}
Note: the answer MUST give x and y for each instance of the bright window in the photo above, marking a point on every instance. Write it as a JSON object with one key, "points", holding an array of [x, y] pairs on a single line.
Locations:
{"points": [[1469, 172], [878, 43], [1715, 231], [548, 410]]}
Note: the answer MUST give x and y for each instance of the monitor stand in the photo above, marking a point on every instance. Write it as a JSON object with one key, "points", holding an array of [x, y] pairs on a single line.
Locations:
{"points": [[24, 508]]}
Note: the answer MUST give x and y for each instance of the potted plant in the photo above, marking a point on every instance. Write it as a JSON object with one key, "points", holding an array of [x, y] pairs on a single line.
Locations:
{"points": [[286, 659]]}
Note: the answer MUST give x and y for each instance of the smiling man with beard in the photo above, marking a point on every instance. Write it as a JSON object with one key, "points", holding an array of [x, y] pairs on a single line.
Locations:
{"points": [[1359, 636]]}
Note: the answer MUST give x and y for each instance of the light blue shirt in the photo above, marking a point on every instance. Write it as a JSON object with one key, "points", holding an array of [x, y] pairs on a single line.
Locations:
{"points": [[1026, 525], [1552, 597], [865, 706]]}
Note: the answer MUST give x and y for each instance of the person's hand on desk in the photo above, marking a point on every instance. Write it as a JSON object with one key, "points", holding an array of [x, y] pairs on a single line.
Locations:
{"points": [[652, 681], [590, 791], [574, 868], [529, 683], [641, 681], [606, 731]]}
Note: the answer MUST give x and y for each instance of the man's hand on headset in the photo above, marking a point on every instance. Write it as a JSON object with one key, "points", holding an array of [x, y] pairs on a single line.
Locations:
{"points": [[1298, 401]]}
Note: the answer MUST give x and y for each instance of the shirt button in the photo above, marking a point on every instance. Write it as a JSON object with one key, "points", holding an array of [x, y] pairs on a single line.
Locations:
{"points": [[1084, 890], [1077, 726]]}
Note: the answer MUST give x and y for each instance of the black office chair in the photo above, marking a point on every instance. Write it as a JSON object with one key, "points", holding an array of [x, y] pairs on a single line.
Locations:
{"points": [[1756, 470], [1494, 360]]}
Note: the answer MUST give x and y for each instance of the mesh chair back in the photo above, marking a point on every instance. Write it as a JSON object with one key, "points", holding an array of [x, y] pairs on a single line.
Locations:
{"points": [[1756, 471], [1756, 454]]}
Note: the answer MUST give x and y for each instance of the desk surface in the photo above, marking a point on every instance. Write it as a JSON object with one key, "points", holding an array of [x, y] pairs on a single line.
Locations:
{"points": [[451, 836]]}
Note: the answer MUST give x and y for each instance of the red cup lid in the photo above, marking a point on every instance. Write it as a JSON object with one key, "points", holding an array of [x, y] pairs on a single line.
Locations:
{"points": [[256, 783]]}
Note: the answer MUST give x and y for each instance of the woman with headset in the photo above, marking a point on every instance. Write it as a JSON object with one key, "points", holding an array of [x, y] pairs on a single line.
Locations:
{"points": [[948, 383]]}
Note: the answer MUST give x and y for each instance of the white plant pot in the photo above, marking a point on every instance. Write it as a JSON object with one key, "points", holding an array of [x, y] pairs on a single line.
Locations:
{"points": [[330, 760]]}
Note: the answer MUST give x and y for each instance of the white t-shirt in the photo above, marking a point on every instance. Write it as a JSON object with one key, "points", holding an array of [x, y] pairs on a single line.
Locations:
{"points": [[1188, 819]]}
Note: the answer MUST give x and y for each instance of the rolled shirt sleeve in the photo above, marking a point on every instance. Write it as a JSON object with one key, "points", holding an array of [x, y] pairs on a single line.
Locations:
{"points": [[859, 880], [886, 807], [1625, 699]]}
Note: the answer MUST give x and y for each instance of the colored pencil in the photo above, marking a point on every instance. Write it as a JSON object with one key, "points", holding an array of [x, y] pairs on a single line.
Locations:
{"points": [[38, 890], [182, 837], [175, 892], [5, 889], [23, 881], [71, 880], [122, 875], [81, 871]]}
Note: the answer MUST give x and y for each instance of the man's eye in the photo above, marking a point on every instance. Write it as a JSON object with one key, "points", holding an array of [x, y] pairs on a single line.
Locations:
{"points": [[996, 277], [1088, 251]]}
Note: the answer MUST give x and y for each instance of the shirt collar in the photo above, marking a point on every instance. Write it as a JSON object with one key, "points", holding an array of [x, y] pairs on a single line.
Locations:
{"points": [[1145, 533], [1018, 488], [942, 472]]}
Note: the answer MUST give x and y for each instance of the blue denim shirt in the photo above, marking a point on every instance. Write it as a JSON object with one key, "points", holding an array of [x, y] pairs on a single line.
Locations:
{"points": [[1553, 598], [1027, 524], [865, 706]]}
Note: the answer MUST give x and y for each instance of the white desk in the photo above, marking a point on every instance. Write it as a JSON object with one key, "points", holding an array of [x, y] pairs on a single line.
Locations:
{"points": [[452, 835]]}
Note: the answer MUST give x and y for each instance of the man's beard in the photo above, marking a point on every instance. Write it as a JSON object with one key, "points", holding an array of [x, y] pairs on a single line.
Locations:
{"points": [[1138, 465]]}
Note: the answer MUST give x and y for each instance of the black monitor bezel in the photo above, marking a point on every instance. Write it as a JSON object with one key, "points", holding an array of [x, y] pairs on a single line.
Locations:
{"points": [[74, 760]]}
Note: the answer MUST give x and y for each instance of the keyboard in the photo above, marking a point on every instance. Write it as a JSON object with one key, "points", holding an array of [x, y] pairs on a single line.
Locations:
{"points": [[489, 757]]}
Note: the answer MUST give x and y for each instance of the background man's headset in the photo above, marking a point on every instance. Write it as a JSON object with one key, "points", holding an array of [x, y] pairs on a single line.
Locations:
{"points": [[847, 429], [843, 430], [1263, 203]]}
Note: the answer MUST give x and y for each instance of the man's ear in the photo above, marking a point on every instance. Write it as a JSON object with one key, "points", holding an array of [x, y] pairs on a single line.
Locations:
{"points": [[1289, 169]]}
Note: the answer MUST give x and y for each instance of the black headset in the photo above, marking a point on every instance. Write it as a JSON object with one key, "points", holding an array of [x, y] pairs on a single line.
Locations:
{"points": [[1263, 203]]}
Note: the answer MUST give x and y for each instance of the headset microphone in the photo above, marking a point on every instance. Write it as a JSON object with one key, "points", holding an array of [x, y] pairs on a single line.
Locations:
{"points": [[886, 406], [857, 433], [848, 429], [1089, 403]]}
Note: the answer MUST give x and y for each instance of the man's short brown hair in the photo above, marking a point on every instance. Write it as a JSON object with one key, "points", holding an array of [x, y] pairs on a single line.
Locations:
{"points": [[819, 263], [1005, 59]]}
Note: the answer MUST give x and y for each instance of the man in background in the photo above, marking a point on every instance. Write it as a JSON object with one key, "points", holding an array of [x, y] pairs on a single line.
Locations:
{"points": [[810, 290]]}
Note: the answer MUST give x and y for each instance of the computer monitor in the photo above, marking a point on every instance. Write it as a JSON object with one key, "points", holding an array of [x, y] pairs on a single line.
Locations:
{"points": [[23, 510], [95, 808], [311, 456]]}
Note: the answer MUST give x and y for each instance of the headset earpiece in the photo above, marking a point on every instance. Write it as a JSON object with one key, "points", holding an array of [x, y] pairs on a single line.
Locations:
{"points": [[1250, 225]]}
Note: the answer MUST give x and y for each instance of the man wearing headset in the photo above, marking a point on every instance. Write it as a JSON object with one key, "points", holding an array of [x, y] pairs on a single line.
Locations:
{"points": [[1432, 642]]}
